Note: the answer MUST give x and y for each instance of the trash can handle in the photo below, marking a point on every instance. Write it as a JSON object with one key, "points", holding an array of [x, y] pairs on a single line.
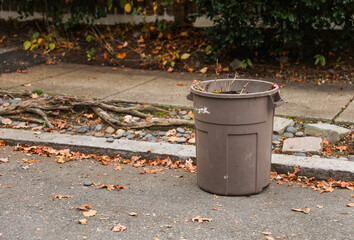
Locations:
{"points": [[277, 101], [190, 96]]}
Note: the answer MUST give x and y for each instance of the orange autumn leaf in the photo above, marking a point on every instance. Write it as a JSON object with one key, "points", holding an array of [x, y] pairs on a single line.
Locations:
{"points": [[114, 69], [306, 211], [298, 79], [341, 148], [84, 207], [117, 168], [324, 141], [62, 196], [155, 51], [181, 84], [121, 55], [105, 55]]}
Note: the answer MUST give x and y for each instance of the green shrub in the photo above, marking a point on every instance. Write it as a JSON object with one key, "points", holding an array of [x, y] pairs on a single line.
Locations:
{"points": [[278, 24]]}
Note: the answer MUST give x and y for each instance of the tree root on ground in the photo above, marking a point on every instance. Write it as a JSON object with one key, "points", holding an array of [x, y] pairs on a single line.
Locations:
{"points": [[46, 105]]}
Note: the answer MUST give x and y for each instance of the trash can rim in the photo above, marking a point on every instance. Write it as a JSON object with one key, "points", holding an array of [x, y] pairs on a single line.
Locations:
{"points": [[248, 95]]}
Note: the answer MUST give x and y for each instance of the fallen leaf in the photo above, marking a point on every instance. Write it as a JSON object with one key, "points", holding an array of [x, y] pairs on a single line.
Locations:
{"points": [[83, 221], [4, 160], [324, 141], [134, 214], [341, 148], [269, 238], [48, 62], [121, 55], [298, 79], [319, 206], [170, 69], [27, 85], [185, 56], [60, 159], [171, 132], [350, 204], [109, 187], [216, 209], [118, 228], [189, 166], [119, 187], [172, 139], [190, 69], [278, 75], [6, 121], [149, 151], [62, 196], [181, 84], [114, 69], [201, 220], [84, 207], [266, 233], [89, 116], [306, 211], [104, 218], [89, 213], [34, 96], [117, 168], [203, 70]]}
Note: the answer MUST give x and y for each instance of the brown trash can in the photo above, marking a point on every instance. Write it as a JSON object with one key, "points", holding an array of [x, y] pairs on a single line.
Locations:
{"points": [[234, 136]]}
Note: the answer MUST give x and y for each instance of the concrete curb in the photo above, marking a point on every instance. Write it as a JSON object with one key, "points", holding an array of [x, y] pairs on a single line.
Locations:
{"points": [[311, 167]]}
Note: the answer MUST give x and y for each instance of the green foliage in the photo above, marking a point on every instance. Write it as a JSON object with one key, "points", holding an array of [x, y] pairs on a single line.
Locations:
{"points": [[320, 59], [39, 92], [246, 63], [277, 24], [91, 54], [40, 41]]}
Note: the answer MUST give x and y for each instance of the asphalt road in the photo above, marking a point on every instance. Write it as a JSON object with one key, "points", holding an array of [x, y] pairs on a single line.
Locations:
{"points": [[165, 204]]}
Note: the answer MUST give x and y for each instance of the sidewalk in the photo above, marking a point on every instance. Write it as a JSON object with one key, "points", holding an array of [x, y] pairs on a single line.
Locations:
{"points": [[302, 100]]}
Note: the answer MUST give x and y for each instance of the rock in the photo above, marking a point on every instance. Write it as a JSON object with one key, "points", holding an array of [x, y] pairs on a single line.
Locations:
{"points": [[76, 127], [165, 138], [161, 133], [191, 141], [118, 136], [276, 137], [181, 140], [235, 64], [110, 140], [82, 130], [330, 132], [148, 135], [120, 131], [154, 134], [188, 132], [288, 135], [172, 113], [291, 130], [22, 124], [92, 128], [305, 144], [280, 124], [152, 138], [142, 134], [14, 123], [316, 156], [277, 143], [332, 157], [299, 134], [62, 131], [180, 130], [32, 125], [331, 70], [88, 183], [110, 130], [130, 136], [351, 158], [99, 134], [70, 129], [89, 133], [343, 159], [127, 133], [301, 154], [99, 127], [108, 136], [187, 117], [180, 134]]}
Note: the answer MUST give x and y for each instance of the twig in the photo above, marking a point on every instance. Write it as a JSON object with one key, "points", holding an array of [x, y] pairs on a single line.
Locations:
{"points": [[244, 87]]}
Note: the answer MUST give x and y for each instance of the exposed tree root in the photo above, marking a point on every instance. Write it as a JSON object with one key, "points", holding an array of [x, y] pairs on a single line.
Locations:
{"points": [[46, 105]]}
